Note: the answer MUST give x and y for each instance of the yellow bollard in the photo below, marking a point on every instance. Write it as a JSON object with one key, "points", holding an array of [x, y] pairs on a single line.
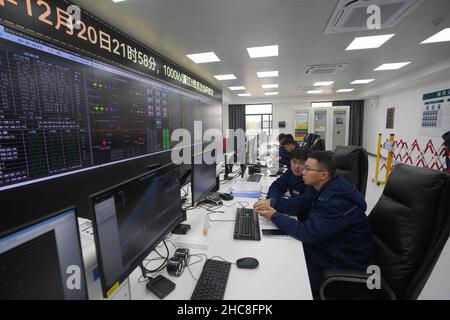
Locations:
{"points": [[377, 168], [390, 156]]}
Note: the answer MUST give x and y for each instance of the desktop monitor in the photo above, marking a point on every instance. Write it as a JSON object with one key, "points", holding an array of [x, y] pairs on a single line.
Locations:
{"points": [[43, 260], [203, 178], [131, 219]]}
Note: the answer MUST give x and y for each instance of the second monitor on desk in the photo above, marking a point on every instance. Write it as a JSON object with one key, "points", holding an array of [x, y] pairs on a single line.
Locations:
{"points": [[131, 219]]}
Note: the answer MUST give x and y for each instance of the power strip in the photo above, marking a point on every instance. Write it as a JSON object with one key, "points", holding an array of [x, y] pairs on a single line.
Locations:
{"points": [[191, 242]]}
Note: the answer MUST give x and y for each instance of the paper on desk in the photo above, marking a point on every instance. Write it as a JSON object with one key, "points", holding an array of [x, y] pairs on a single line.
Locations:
{"points": [[266, 224]]}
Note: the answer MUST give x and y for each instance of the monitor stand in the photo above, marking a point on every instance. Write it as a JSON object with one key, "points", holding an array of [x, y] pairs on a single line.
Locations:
{"points": [[181, 229], [211, 199]]}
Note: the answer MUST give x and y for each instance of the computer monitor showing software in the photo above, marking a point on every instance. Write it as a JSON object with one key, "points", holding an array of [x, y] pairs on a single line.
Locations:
{"points": [[131, 219], [203, 178], [43, 260]]}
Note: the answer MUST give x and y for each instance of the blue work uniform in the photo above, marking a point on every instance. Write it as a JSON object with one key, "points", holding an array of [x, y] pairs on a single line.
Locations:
{"points": [[335, 234], [285, 157], [287, 182]]}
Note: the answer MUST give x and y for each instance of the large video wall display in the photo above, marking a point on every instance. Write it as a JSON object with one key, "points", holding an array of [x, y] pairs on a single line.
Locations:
{"points": [[62, 113]]}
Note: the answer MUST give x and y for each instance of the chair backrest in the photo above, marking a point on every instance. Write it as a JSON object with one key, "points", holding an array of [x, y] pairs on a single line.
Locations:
{"points": [[307, 140], [318, 145], [411, 225], [352, 163]]}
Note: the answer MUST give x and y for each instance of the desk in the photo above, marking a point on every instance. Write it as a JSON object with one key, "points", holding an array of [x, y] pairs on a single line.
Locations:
{"points": [[281, 275]]}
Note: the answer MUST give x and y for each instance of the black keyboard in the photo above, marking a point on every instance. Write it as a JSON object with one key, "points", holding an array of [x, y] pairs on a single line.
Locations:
{"points": [[213, 281], [246, 226], [254, 178]]}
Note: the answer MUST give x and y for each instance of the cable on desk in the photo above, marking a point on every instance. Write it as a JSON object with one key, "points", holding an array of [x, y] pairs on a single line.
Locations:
{"points": [[243, 204], [170, 241], [223, 259], [201, 259], [162, 266]]}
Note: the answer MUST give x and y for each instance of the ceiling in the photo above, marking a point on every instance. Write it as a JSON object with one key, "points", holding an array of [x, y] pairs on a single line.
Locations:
{"points": [[175, 28]]}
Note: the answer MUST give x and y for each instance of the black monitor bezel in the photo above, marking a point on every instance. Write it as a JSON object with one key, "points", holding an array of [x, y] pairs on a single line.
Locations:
{"points": [[138, 260], [48, 217]]}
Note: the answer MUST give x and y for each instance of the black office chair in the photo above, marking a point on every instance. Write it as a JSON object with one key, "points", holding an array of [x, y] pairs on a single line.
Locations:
{"points": [[411, 225], [352, 163], [309, 140], [318, 144]]}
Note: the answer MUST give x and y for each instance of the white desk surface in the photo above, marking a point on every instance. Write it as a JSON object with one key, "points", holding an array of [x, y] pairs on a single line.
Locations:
{"points": [[281, 274]]}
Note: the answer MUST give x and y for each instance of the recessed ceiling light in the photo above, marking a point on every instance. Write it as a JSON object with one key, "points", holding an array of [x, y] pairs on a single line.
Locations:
{"points": [[441, 36], [270, 86], [222, 77], [203, 57], [236, 88], [267, 74], [245, 95], [392, 66], [369, 42], [261, 52], [364, 81], [271, 93], [345, 90], [118, 0], [323, 83], [314, 91]]}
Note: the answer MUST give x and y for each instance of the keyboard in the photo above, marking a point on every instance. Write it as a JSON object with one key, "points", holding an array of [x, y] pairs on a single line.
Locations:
{"points": [[254, 178], [213, 281], [246, 226]]}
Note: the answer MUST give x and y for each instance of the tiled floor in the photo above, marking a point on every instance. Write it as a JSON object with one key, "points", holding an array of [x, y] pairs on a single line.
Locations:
{"points": [[438, 285]]}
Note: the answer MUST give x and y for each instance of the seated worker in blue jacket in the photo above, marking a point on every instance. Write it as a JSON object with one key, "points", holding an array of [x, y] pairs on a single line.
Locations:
{"points": [[283, 154], [291, 180], [288, 146], [446, 137], [336, 234]]}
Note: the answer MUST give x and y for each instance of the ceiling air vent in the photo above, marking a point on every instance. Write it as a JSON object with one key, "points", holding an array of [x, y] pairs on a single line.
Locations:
{"points": [[351, 15], [326, 69]]}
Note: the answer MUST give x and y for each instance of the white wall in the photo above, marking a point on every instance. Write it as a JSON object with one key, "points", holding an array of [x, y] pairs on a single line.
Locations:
{"points": [[286, 112], [408, 108]]}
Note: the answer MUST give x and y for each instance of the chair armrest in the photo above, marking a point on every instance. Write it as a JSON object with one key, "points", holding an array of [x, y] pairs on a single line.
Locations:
{"points": [[351, 284]]}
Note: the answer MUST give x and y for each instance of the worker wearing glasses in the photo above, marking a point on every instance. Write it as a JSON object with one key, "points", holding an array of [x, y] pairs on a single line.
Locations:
{"points": [[292, 180], [336, 233]]}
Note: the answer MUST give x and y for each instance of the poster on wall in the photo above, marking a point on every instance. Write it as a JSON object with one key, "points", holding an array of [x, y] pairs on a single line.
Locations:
{"points": [[435, 117], [301, 125], [390, 118]]}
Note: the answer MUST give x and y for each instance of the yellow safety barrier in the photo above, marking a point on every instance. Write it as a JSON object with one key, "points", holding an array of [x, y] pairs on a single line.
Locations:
{"points": [[388, 164]]}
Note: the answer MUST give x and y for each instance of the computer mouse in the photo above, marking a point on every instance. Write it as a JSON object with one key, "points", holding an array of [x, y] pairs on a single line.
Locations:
{"points": [[247, 263], [226, 197]]}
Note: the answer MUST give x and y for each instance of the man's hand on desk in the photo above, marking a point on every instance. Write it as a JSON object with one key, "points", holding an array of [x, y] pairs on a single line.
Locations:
{"points": [[264, 209], [267, 213], [261, 204]]}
